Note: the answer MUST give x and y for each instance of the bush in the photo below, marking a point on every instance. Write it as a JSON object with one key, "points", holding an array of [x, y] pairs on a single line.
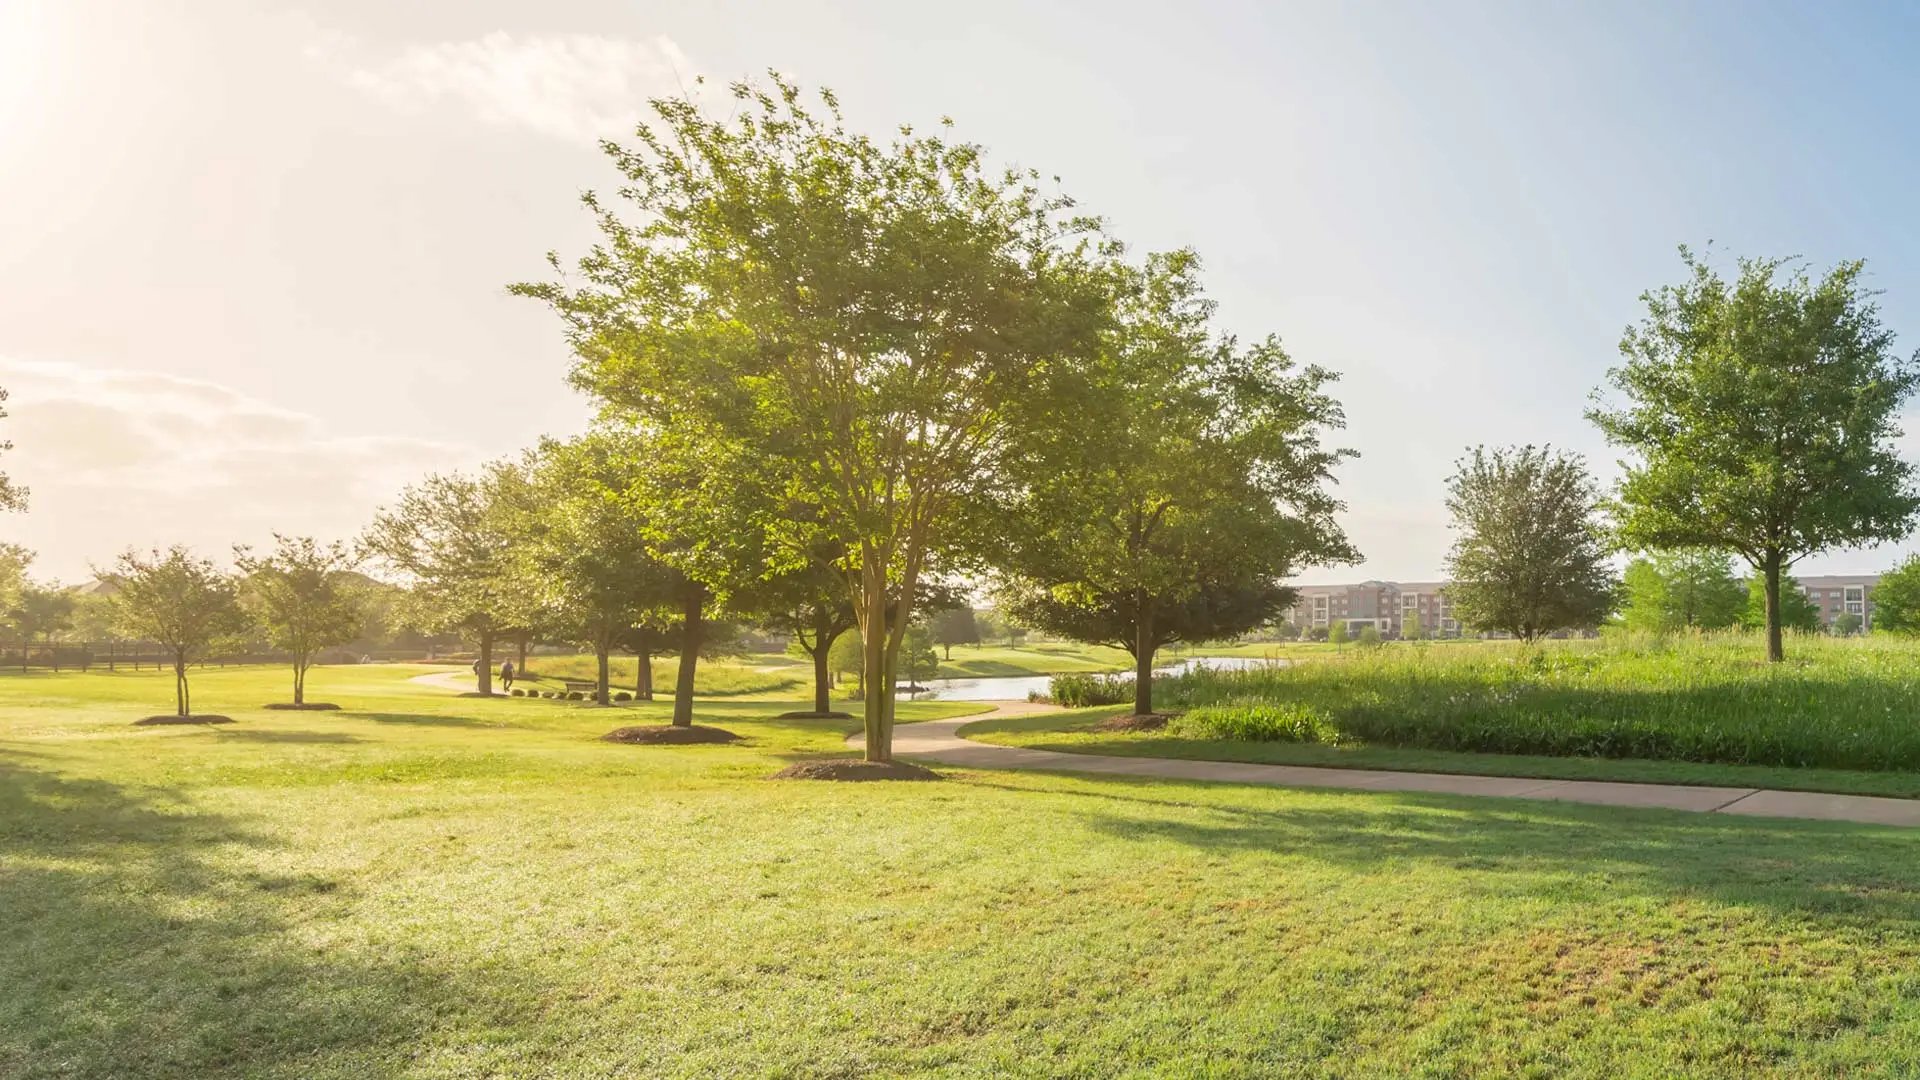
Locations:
{"points": [[575, 695], [1078, 691], [1255, 720], [1368, 638], [517, 692], [623, 695]]}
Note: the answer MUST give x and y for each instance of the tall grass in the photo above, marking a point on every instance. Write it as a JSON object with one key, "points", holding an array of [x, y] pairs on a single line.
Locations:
{"points": [[1836, 703], [1078, 690]]}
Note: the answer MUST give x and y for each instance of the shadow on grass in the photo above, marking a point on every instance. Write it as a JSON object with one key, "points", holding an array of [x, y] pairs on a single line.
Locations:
{"points": [[248, 735], [426, 719], [1859, 873], [130, 952]]}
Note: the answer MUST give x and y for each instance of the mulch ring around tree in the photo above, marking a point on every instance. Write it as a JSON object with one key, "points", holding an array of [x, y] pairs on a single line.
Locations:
{"points": [[1133, 722], [809, 715], [845, 769], [172, 718], [308, 706], [669, 735]]}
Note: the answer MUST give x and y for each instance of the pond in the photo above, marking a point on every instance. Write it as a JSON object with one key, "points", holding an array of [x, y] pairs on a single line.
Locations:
{"points": [[1017, 687]]}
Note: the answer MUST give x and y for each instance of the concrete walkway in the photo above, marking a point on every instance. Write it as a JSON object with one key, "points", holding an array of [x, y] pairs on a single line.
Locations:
{"points": [[939, 740]]}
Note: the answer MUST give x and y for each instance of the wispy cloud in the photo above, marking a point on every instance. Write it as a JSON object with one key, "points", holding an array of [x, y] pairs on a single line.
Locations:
{"points": [[118, 458], [577, 87]]}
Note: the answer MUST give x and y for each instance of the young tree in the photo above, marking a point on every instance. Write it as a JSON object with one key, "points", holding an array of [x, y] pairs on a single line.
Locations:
{"points": [[453, 538], [1337, 633], [12, 495], [954, 626], [1794, 609], [40, 611], [921, 661], [586, 548], [848, 657], [810, 604], [851, 314], [1681, 590], [179, 602], [1529, 558], [14, 561], [1896, 599], [1203, 487], [303, 596], [1846, 624], [1369, 637], [1761, 415]]}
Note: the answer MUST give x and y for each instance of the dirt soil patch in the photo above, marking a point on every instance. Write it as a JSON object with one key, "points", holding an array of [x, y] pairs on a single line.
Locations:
{"points": [[854, 771], [1133, 722], [170, 718], [310, 706], [803, 715], [669, 735]]}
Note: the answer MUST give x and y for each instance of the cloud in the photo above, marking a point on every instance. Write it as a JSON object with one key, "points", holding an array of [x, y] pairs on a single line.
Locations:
{"points": [[120, 458], [576, 87]]}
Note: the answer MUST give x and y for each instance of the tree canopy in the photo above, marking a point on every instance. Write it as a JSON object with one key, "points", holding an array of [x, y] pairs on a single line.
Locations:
{"points": [[1896, 599], [12, 495], [1760, 417], [850, 314], [180, 602], [303, 596], [1681, 590], [1530, 556]]}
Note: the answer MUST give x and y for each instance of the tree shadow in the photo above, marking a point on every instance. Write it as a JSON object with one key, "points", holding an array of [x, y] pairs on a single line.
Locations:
{"points": [[251, 735], [140, 943], [1839, 870], [426, 719]]}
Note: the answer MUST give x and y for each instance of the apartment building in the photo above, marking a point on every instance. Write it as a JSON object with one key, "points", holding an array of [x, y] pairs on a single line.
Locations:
{"points": [[1392, 607]]}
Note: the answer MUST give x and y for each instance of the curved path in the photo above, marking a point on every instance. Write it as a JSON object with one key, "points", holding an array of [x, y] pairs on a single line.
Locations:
{"points": [[939, 740]]}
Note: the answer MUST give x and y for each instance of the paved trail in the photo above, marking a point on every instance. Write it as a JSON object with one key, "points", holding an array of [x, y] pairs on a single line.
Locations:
{"points": [[939, 740]]}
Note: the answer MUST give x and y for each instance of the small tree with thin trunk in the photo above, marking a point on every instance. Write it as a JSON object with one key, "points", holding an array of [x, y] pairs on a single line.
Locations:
{"points": [[1530, 557], [302, 595], [180, 602], [1762, 417], [954, 626]]}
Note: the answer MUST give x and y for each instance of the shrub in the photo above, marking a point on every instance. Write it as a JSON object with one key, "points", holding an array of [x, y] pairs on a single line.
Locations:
{"points": [[575, 695], [623, 695], [517, 692], [1255, 720], [1078, 691], [1368, 638]]}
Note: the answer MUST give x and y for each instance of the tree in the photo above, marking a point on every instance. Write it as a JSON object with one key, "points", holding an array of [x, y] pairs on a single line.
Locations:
{"points": [[1337, 633], [810, 603], [453, 538], [1896, 599], [302, 595], [12, 495], [1680, 590], [1793, 609], [1286, 631], [14, 561], [586, 547], [920, 659], [40, 611], [848, 657], [179, 602], [1529, 556], [1369, 637], [1412, 628], [851, 314], [1761, 415], [1846, 624], [954, 626], [1203, 487]]}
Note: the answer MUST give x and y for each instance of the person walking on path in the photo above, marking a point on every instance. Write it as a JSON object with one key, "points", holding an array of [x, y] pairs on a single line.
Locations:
{"points": [[506, 676]]}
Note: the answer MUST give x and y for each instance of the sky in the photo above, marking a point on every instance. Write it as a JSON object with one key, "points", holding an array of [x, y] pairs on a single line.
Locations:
{"points": [[254, 256]]}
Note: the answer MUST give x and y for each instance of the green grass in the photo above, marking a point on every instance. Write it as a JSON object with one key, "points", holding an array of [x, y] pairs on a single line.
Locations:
{"points": [[1042, 658], [1836, 704], [430, 886], [755, 674]]}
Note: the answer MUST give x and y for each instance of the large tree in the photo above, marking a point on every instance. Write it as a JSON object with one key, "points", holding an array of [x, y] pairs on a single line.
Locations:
{"points": [[1679, 590], [1190, 483], [852, 314], [954, 626], [1796, 610], [810, 603], [453, 538], [304, 595], [181, 603], [1896, 599], [1530, 554], [1760, 417]]}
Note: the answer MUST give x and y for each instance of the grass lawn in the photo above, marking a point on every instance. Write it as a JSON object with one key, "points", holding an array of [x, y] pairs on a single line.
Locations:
{"points": [[759, 673], [1041, 658], [429, 886]]}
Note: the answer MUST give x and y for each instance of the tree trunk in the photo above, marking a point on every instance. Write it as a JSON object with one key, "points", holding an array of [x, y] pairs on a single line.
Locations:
{"points": [[520, 664], [875, 684], [486, 663], [822, 678], [1143, 661], [182, 700], [601, 649], [299, 680], [690, 633], [1776, 649], [643, 674], [949, 647]]}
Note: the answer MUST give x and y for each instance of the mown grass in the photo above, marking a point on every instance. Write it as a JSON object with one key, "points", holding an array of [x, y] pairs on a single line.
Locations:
{"points": [[755, 674], [429, 886], [1039, 658]]}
